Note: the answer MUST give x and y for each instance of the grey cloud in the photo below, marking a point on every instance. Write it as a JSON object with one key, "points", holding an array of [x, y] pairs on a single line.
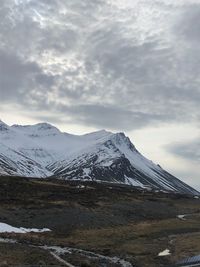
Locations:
{"points": [[189, 25], [18, 78], [111, 116], [23, 27], [188, 150], [89, 62], [100, 116]]}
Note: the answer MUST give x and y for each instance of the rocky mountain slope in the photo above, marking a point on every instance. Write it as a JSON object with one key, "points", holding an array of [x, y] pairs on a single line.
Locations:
{"points": [[41, 150]]}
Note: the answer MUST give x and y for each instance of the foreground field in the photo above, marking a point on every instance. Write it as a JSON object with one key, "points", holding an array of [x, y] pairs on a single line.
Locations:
{"points": [[108, 220]]}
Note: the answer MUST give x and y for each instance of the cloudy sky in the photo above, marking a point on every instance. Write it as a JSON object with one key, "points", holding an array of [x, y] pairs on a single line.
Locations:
{"points": [[121, 65]]}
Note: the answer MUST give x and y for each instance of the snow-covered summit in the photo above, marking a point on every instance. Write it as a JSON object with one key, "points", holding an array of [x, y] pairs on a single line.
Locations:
{"points": [[3, 126], [42, 150], [40, 129], [97, 134]]}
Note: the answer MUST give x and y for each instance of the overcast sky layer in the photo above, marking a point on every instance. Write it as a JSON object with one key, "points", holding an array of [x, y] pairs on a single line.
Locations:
{"points": [[123, 65]]}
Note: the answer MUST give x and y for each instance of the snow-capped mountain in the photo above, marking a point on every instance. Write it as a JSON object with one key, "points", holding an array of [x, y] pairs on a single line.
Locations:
{"points": [[41, 150]]}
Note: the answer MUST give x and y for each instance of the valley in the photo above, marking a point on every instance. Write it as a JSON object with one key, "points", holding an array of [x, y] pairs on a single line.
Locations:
{"points": [[90, 218]]}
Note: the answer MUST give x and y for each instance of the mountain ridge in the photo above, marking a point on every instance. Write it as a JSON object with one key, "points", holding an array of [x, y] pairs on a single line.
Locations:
{"points": [[42, 150]]}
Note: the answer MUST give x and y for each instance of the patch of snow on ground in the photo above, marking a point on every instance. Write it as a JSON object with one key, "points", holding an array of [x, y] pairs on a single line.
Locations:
{"points": [[164, 253], [181, 217], [6, 228], [58, 251], [80, 186]]}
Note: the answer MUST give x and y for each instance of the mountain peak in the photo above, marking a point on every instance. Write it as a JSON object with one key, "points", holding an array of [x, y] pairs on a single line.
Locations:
{"points": [[37, 129], [45, 126], [3, 126], [41, 150], [122, 140], [1, 122], [97, 134]]}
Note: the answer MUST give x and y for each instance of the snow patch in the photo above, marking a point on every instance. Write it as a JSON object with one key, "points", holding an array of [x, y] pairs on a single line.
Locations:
{"points": [[58, 251], [6, 228], [86, 172], [80, 186], [164, 253], [181, 217], [133, 182]]}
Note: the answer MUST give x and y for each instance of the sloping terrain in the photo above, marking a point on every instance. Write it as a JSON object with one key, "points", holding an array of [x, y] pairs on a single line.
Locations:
{"points": [[41, 150], [111, 221]]}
